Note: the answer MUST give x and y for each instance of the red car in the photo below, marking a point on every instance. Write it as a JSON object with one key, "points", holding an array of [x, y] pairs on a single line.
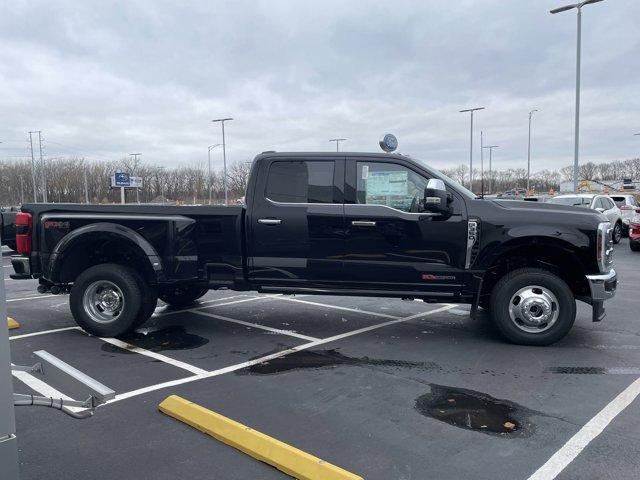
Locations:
{"points": [[634, 235]]}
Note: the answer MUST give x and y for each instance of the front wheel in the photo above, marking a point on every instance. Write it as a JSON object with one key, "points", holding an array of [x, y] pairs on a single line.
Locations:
{"points": [[531, 306], [182, 296], [617, 233], [105, 300]]}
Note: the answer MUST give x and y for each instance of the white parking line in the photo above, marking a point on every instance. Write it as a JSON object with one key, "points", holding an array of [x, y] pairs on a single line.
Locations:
{"points": [[43, 332], [290, 333], [210, 305], [157, 356], [37, 297], [239, 366], [594, 427], [337, 307]]}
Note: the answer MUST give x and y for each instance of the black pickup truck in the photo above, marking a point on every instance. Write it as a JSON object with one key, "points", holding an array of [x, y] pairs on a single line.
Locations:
{"points": [[366, 224]]}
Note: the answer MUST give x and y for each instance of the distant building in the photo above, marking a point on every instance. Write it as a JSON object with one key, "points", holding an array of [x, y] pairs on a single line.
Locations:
{"points": [[626, 184]]}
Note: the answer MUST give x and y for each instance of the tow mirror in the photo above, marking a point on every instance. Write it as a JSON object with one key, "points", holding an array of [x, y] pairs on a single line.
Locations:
{"points": [[436, 197]]}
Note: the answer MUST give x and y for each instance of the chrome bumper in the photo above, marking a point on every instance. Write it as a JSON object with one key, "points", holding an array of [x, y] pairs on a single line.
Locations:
{"points": [[603, 286]]}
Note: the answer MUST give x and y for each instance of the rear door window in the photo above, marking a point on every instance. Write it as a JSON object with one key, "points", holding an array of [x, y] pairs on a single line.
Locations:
{"points": [[301, 181]]}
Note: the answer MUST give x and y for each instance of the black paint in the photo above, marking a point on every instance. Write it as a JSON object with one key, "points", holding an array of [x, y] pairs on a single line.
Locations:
{"points": [[473, 410]]}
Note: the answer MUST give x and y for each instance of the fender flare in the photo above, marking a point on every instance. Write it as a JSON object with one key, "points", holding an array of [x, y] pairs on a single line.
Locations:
{"points": [[102, 230]]}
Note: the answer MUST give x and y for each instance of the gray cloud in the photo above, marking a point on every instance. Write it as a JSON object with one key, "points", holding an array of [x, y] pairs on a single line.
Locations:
{"points": [[111, 78]]}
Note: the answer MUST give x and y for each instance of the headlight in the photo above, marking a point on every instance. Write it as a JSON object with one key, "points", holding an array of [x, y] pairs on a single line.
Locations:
{"points": [[605, 247]]}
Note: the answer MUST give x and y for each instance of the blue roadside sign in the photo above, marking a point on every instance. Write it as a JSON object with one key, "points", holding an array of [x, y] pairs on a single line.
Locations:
{"points": [[122, 179]]}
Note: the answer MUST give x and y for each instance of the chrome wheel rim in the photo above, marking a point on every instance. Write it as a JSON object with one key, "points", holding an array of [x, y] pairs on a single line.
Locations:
{"points": [[617, 232], [103, 301], [534, 309]]}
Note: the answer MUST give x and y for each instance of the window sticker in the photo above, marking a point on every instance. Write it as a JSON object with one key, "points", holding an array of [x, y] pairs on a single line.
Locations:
{"points": [[388, 183]]}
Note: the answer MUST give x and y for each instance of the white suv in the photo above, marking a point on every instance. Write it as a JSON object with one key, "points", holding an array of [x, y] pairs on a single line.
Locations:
{"points": [[629, 209], [601, 203]]}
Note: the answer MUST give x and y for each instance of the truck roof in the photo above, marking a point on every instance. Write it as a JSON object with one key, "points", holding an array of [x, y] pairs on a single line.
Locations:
{"points": [[332, 154]]}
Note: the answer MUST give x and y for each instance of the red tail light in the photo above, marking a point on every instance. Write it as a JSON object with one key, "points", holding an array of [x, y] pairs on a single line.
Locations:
{"points": [[626, 207], [24, 224]]}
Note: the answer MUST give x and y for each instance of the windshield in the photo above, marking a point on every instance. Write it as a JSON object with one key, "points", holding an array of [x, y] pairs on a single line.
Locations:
{"points": [[572, 201], [459, 188]]}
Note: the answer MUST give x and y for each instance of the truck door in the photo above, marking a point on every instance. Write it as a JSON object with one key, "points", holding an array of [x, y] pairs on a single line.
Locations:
{"points": [[296, 222], [389, 243]]}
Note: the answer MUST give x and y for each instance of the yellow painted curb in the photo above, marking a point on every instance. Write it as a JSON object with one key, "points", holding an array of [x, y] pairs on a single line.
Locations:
{"points": [[11, 323], [267, 449]]}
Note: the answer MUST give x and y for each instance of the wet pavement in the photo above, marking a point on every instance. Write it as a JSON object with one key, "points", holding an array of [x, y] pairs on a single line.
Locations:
{"points": [[440, 396]]}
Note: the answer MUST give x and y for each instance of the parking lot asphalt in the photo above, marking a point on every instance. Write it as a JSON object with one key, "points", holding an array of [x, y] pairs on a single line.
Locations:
{"points": [[385, 388]]}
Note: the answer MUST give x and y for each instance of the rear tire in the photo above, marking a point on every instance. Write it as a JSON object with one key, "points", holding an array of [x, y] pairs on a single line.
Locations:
{"points": [[531, 306], [105, 300], [182, 296]]}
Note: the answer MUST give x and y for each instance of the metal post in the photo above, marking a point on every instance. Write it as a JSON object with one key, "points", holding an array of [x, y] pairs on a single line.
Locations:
{"points": [[33, 170], [224, 160], [529, 150], [577, 6], [575, 155], [209, 176], [471, 110], [43, 178], [481, 166], [122, 197], [337, 140], [490, 174], [8, 439], [21, 190]]}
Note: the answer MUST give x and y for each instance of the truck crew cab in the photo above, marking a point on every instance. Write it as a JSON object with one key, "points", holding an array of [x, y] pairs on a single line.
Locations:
{"points": [[364, 224]]}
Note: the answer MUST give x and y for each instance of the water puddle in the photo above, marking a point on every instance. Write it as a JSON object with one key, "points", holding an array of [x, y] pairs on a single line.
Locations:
{"points": [[473, 410], [325, 359], [167, 338]]}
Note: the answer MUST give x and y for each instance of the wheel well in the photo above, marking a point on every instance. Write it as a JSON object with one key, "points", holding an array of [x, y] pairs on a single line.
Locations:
{"points": [[559, 261], [91, 251]]}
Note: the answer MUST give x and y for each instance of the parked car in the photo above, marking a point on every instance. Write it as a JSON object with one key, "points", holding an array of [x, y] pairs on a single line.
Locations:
{"points": [[629, 209], [364, 224], [634, 235], [601, 203]]}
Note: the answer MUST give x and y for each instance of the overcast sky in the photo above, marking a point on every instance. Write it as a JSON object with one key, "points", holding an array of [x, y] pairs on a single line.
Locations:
{"points": [[104, 79]]}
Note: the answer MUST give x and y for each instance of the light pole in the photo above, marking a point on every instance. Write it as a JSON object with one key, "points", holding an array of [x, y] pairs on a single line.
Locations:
{"points": [[33, 169], [209, 148], [224, 158], [481, 164], [338, 140], [529, 149], [490, 147], [471, 110], [578, 6]]}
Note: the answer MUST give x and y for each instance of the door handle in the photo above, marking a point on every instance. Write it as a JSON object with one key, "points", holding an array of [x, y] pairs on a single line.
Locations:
{"points": [[270, 221], [363, 223]]}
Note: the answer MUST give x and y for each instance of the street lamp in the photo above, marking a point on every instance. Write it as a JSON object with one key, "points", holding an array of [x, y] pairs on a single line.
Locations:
{"points": [[338, 140], [224, 158], [578, 6], [490, 147], [209, 148], [471, 110], [529, 149]]}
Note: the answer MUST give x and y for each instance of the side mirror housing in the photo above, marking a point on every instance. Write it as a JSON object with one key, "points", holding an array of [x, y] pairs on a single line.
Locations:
{"points": [[601, 210], [436, 198]]}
